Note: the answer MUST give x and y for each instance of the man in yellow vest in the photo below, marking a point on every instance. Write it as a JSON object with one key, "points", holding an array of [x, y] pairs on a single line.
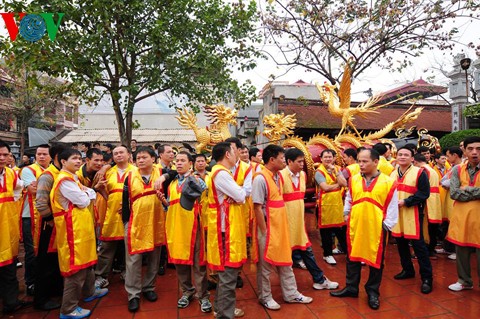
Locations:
{"points": [[111, 226], [433, 206], [464, 230], [185, 236], [30, 217], [226, 235], [70, 201], [351, 166], [144, 223], [330, 183], [371, 209], [48, 280], [274, 247], [10, 189], [255, 156], [413, 191], [383, 165], [294, 182]]}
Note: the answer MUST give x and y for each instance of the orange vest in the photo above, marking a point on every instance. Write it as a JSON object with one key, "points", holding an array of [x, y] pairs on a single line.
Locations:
{"points": [[369, 207], [111, 224], [330, 204], [294, 203], [464, 229], [97, 208], [353, 169], [146, 227], [181, 229], [74, 232], [52, 171], [235, 231], [9, 219], [239, 176], [408, 225], [443, 192], [277, 250], [37, 170], [384, 166]]}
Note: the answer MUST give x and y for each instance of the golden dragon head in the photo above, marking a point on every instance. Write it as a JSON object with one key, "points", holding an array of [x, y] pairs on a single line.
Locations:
{"points": [[277, 125], [221, 114]]}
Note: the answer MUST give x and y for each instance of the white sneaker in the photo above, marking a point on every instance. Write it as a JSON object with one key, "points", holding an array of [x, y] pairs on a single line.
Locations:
{"points": [[326, 284], [459, 287], [271, 304], [300, 264], [337, 251], [330, 260], [78, 313], [452, 256], [238, 313], [441, 251], [101, 282], [301, 299]]}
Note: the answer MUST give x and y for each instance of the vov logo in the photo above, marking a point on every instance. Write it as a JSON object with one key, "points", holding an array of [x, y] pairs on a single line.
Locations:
{"points": [[33, 26]]}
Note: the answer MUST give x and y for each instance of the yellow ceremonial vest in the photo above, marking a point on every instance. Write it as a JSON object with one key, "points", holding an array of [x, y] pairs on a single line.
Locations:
{"points": [[181, 229], [353, 169], [111, 224], [408, 225], [330, 204], [433, 207], [364, 228], [36, 219], [52, 171], [448, 202], [9, 219], [235, 231], [295, 206], [384, 166], [464, 229], [277, 246], [443, 192], [74, 231], [146, 227], [239, 176]]}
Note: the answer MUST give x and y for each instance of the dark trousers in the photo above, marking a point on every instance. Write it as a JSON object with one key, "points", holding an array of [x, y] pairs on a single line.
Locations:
{"points": [[327, 239], [354, 270], [29, 251], [163, 256], [432, 233], [309, 259], [49, 281], [9, 286], [421, 251]]}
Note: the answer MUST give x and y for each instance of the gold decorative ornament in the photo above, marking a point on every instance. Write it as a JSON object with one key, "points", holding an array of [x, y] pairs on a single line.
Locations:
{"points": [[278, 125]]}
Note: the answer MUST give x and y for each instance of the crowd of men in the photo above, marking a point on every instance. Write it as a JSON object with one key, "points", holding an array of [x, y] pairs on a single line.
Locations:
{"points": [[86, 212]]}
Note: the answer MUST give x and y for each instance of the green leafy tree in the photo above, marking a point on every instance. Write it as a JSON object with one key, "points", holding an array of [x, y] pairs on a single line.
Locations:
{"points": [[318, 35], [129, 50], [454, 139]]}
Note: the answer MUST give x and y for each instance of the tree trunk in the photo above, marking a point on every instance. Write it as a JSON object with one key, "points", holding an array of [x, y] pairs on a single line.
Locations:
{"points": [[120, 124]]}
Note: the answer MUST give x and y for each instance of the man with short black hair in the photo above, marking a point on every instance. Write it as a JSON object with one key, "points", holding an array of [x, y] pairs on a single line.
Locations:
{"points": [[255, 156], [350, 158], [133, 146]]}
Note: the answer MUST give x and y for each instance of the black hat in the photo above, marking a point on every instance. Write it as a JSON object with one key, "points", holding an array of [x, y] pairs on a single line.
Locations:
{"points": [[191, 191]]}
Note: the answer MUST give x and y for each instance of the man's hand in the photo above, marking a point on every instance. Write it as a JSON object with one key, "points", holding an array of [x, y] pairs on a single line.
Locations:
{"points": [[100, 175], [401, 203], [32, 188], [346, 218], [100, 185], [162, 198], [158, 185]]}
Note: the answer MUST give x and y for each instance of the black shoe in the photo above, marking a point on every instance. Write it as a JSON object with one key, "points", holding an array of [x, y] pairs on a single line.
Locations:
{"points": [[239, 282], [49, 305], [133, 304], [20, 304], [211, 285], [344, 293], [427, 286], [373, 302], [404, 275], [161, 270], [31, 290], [150, 295]]}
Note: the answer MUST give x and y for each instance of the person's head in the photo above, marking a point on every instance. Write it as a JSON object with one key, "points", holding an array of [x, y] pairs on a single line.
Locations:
{"points": [[425, 151], [368, 161], [405, 156], [236, 146], [295, 159], [440, 159], [108, 148], [107, 158], [419, 159], [472, 149], [223, 153], [84, 147], [411, 146], [381, 149], [74, 146], [349, 156], [200, 162], [255, 155], [244, 154], [94, 160], [145, 158], [55, 150], [133, 144], [327, 156], [121, 155], [274, 157], [25, 159], [454, 155], [184, 162], [42, 155], [71, 160], [96, 145], [11, 160], [166, 153], [4, 154], [388, 154]]}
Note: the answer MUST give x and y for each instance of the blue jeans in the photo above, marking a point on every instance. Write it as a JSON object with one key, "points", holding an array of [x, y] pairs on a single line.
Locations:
{"points": [[309, 259], [29, 251]]}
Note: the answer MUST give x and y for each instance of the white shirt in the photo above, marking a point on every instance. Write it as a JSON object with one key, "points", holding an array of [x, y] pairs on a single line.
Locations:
{"points": [[225, 185], [71, 193], [295, 177]]}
